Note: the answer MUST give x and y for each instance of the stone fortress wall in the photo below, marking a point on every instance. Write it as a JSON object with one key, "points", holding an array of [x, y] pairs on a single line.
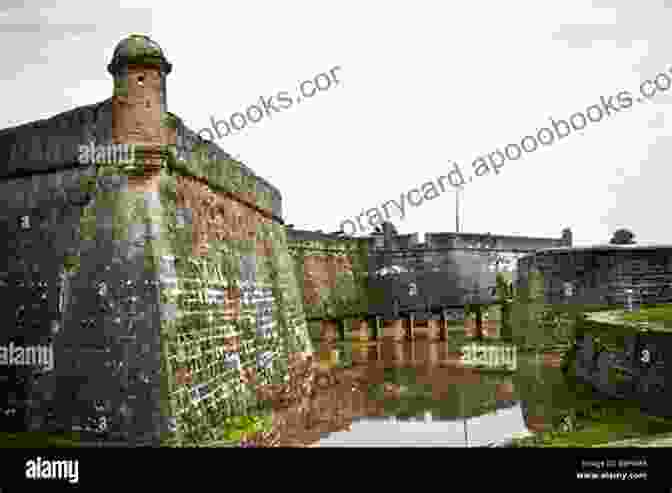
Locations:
{"points": [[599, 274], [337, 274], [162, 287]]}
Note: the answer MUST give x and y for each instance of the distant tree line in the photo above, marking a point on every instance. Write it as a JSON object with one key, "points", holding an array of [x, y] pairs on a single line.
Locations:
{"points": [[622, 237]]}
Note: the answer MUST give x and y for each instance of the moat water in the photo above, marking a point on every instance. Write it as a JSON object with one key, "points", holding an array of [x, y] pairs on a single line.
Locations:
{"points": [[420, 394]]}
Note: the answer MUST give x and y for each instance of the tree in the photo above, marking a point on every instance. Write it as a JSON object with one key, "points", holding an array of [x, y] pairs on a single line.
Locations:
{"points": [[504, 298], [475, 306], [503, 287], [478, 309], [622, 237]]}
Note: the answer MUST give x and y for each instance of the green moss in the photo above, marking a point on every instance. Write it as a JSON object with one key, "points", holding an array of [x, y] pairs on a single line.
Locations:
{"points": [[88, 223], [137, 46], [221, 175], [187, 341], [169, 120], [350, 295], [72, 263], [88, 184], [233, 430], [120, 87]]}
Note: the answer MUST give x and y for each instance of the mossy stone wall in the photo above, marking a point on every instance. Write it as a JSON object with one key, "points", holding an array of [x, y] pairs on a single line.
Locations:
{"points": [[332, 276], [159, 305], [230, 286]]}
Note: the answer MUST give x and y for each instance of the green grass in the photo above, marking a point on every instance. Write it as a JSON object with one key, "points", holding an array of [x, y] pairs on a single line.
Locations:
{"points": [[610, 420], [232, 430], [229, 433], [600, 423], [661, 314], [659, 440], [36, 439]]}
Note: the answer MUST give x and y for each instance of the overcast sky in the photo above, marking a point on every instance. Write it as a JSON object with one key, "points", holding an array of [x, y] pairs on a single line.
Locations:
{"points": [[421, 84]]}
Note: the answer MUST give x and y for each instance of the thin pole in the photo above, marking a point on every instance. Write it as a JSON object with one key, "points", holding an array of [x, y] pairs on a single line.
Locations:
{"points": [[464, 419], [457, 210], [466, 438]]}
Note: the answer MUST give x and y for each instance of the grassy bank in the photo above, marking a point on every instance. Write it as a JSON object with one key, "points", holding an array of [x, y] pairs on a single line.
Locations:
{"points": [[656, 314], [36, 439], [602, 422], [229, 433], [605, 420]]}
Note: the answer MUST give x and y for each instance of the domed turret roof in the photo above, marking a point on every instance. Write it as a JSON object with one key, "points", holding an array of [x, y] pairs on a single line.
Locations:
{"points": [[138, 49]]}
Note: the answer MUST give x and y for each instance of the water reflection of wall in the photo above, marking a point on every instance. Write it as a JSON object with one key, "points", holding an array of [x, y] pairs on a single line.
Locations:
{"points": [[419, 382], [329, 410], [340, 409], [419, 351]]}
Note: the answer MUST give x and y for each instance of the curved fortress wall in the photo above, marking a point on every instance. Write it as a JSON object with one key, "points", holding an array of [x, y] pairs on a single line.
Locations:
{"points": [[600, 274], [157, 284]]}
